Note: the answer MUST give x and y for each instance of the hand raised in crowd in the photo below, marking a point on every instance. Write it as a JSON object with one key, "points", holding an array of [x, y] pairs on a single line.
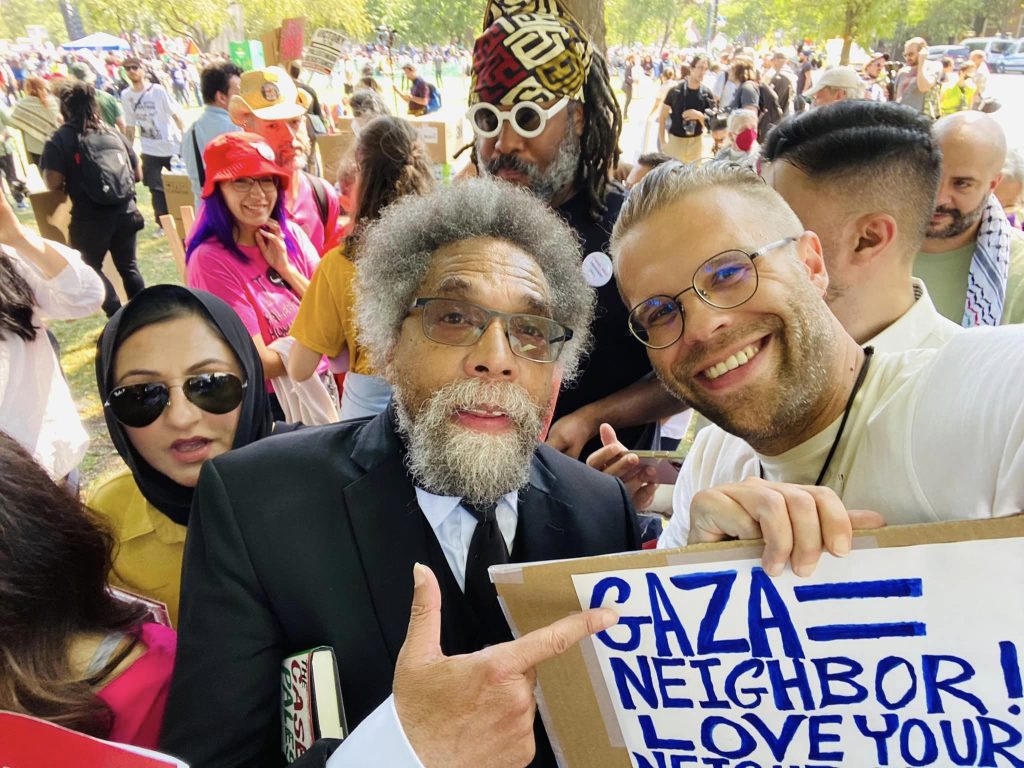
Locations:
{"points": [[616, 460], [482, 702], [570, 433], [797, 522], [11, 230]]}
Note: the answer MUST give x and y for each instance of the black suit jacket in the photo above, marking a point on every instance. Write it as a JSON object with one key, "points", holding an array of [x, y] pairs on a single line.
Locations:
{"points": [[309, 539]]}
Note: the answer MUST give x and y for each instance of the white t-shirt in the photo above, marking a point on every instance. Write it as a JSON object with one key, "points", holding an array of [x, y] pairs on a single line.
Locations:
{"points": [[36, 407], [150, 111], [934, 435]]}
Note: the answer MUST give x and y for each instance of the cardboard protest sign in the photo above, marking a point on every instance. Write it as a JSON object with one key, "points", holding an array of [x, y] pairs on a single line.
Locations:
{"points": [[713, 663], [324, 51]]}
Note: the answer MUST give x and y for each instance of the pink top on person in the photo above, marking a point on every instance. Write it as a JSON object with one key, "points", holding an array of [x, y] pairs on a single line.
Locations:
{"points": [[138, 696], [262, 299], [306, 213]]}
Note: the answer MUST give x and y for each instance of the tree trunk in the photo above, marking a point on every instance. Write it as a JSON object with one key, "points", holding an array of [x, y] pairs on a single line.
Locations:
{"points": [[591, 15], [848, 30], [670, 22]]}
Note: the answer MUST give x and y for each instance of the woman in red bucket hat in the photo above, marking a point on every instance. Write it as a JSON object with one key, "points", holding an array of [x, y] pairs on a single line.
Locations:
{"points": [[244, 250]]}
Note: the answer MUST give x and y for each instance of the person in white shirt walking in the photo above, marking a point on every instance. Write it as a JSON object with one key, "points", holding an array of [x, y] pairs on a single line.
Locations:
{"points": [[152, 114]]}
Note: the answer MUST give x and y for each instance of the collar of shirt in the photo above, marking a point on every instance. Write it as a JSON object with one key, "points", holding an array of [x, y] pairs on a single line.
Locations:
{"points": [[920, 326], [453, 526]]}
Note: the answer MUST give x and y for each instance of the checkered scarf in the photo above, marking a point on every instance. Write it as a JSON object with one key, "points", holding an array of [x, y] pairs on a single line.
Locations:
{"points": [[530, 50], [990, 266]]}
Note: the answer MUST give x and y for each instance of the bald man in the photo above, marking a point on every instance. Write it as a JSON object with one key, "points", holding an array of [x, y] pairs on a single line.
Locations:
{"points": [[972, 260]]}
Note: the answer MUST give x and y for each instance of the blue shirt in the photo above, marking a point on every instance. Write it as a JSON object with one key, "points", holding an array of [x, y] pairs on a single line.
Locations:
{"points": [[380, 738], [212, 123]]}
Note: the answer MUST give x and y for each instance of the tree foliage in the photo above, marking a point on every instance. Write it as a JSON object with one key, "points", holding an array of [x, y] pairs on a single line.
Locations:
{"points": [[16, 15], [870, 22], [662, 22]]}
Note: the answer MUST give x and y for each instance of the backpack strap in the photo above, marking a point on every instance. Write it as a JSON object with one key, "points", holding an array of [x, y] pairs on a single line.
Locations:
{"points": [[320, 195], [199, 159]]}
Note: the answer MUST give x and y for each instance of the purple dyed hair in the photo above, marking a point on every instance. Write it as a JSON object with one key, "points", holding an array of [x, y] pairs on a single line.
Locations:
{"points": [[216, 221]]}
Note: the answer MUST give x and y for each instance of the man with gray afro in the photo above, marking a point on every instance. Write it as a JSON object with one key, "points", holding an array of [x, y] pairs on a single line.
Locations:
{"points": [[472, 304]]}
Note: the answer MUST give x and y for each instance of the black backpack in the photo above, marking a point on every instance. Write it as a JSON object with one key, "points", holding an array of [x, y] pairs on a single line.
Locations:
{"points": [[107, 174]]}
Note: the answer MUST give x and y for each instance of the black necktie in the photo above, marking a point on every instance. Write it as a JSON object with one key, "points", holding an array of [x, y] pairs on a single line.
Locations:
{"points": [[486, 548]]}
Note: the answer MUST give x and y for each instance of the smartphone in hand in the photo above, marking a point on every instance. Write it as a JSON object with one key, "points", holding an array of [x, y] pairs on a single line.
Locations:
{"points": [[666, 464]]}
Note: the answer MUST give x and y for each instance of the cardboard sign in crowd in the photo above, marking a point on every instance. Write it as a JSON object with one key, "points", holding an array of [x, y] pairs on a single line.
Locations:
{"points": [[907, 653]]}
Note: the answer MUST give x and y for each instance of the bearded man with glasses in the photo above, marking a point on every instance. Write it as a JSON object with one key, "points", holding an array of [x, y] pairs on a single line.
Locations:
{"points": [[812, 434], [545, 118], [472, 304]]}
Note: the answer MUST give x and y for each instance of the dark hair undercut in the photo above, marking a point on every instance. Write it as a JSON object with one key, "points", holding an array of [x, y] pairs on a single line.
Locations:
{"points": [[876, 149]]}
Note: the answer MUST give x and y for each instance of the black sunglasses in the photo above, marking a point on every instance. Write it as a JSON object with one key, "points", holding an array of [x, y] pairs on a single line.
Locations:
{"points": [[139, 405]]}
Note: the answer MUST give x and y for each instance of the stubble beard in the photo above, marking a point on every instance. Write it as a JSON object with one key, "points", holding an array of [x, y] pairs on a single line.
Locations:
{"points": [[447, 459], [785, 402], [961, 222]]}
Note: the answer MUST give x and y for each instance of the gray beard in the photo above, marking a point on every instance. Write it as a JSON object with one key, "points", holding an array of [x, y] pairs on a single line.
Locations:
{"points": [[546, 184], [448, 460]]}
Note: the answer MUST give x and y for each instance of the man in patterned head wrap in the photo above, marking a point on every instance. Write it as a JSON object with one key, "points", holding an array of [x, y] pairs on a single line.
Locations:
{"points": [[544, 116]]}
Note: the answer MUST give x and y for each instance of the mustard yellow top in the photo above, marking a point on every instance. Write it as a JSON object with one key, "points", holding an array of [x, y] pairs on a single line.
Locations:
{"points": [[150, 546], [326, 320]]}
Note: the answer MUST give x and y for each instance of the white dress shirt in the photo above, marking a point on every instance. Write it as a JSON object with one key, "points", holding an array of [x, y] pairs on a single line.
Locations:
{"points": [[454, 526], [380, 738]]}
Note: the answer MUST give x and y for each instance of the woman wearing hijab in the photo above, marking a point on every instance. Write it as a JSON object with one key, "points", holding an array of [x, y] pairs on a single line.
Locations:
{"points": [[181, 382]]}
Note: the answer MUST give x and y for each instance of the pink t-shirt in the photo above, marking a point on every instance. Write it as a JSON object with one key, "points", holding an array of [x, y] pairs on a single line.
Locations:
{"points": [[264, 302], [138, 696], [306, 214]]}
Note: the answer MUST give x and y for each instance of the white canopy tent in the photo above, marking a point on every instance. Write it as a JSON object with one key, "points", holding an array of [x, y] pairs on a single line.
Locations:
{"points": [[97, 41]]}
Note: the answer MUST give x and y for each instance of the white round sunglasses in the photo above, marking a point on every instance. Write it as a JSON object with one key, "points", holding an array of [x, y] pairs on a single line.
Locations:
{"points": [[527, 118]]}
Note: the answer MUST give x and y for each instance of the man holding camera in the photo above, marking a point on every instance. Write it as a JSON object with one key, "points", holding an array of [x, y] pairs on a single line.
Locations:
{"points": [[917, 78], [684, 112]]}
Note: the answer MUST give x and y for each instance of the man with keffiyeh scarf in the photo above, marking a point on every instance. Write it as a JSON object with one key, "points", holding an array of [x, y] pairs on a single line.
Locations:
{"points": [[973, 260]]}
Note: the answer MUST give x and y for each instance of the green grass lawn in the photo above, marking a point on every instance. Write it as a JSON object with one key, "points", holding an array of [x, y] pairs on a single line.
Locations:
{"points": [[78, 349]]}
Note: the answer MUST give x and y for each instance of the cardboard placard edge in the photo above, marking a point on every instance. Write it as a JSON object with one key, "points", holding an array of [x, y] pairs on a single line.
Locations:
{"points": [[543, 593]]}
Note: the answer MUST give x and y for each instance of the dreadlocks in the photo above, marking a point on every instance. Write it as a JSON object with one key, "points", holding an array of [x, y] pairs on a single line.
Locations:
{"points": [[78, 107], [602, 124]]}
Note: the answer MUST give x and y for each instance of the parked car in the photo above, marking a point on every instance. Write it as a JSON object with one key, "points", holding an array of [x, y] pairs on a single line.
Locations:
{"points": [[1013, 60], [994, 47], [957, 53]]}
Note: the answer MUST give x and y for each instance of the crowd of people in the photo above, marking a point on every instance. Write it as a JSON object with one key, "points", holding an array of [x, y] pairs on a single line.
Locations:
{"points": [[370, 389]]}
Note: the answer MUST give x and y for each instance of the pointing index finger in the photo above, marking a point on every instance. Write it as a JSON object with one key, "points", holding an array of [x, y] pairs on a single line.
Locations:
{"points": [[528, 651]]}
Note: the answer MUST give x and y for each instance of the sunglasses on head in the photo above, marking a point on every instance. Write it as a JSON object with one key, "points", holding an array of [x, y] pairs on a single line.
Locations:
{"points": [[139, 405], [527, 119]]}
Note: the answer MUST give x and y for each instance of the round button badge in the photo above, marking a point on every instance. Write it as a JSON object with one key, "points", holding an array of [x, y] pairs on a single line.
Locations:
{"points": [[597, 269]]}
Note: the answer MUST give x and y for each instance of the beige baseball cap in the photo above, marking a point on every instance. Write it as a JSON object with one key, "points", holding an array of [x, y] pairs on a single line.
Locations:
{"points": [[836, 77], [269, 94]]}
